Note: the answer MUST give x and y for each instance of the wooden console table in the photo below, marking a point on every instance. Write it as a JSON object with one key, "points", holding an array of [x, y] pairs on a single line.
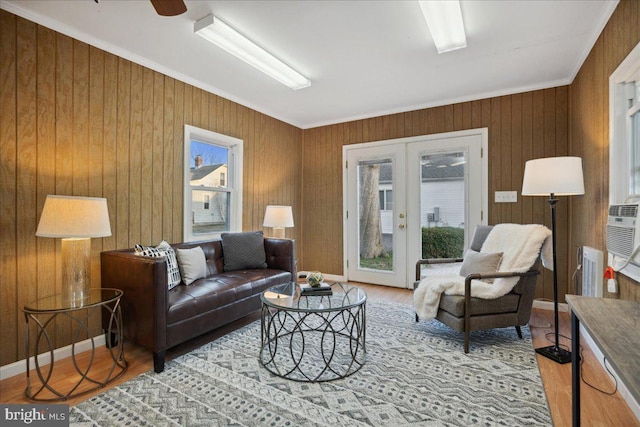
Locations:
{"points": [[614, 326]]}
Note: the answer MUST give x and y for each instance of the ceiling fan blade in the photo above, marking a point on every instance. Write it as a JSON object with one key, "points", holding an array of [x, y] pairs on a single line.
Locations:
{"points": [[169, 7]]}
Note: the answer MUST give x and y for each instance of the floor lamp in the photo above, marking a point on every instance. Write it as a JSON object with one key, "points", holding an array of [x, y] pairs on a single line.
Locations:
{"points": [[554, 176]]}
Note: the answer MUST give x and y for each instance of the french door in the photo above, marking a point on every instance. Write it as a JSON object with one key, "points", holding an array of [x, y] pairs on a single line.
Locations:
{"points": [[403, 198]]}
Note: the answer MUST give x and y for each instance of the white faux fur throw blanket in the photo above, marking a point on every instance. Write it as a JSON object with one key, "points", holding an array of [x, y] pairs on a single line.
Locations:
{"points": [[520, 245]]}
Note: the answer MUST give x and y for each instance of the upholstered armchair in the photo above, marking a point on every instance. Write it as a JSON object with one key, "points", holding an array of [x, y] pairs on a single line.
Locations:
{"points": [[465, 313]]}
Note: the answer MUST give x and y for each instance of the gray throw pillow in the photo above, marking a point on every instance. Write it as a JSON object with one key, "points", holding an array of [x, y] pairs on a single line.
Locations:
{"points": [[480, 262], [243, 250], [192, 263]]}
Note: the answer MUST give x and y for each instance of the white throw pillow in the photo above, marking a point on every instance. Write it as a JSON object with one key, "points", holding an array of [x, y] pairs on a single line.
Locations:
{"points": [[192, 263], [165, 250]]}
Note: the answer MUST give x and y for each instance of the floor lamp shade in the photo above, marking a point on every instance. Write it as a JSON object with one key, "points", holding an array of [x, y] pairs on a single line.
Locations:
{"points": [[278, 217], [75, 220], [561, 176], [551, 177]]}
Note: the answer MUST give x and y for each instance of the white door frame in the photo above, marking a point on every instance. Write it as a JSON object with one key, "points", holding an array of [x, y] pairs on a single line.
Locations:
{"points": [[482, 132]]}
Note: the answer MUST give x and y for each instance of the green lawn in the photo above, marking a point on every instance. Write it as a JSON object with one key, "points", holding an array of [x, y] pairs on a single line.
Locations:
{"points": [[380, 263]]}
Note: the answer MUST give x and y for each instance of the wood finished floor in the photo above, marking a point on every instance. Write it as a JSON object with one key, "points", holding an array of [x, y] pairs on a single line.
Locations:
{"points": [[597, 409]]}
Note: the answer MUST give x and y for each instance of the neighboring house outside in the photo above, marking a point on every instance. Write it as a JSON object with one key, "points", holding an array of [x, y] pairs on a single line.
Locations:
{"points": [[441, 195], [208, 206]]}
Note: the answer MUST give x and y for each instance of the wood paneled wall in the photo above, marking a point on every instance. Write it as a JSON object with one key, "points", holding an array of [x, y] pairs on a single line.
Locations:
{"points": [[521, 127], [76, 120], [589, 134]]}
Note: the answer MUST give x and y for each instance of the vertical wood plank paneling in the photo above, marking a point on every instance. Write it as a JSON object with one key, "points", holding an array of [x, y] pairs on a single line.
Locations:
{"points": [[527, 151], [146, 160], [123, 153], [95, 130], [167, 161], [506, 149], [517, 161], [46, 137], [495, 157], [588, 122], [80, 173], [178, 150], [109, 160], [135, 155], [156, 183], [80, 118], [9, 304], [64, 144], [26, 171]]}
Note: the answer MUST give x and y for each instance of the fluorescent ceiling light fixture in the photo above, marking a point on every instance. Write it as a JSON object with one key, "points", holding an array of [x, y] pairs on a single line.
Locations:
{"points": [[225, 37], [444, 19]]}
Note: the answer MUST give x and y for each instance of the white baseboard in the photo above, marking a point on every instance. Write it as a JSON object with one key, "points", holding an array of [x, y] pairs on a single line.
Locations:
{"points": [[548, 305], [20, 367], [624, 391]]}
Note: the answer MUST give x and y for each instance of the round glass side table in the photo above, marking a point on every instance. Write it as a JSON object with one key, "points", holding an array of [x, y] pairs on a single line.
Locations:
{"points": [[313, 338], [43, 312]]}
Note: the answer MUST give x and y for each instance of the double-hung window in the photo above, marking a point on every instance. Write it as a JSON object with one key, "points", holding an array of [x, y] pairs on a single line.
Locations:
{"points": [[212, 184]]}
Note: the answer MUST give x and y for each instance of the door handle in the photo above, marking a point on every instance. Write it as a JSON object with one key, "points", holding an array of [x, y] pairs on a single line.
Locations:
{"points": [[401, 226]]}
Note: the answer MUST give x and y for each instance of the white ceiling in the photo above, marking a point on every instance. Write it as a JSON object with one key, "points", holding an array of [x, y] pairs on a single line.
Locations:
{"points": [[364, 58]]}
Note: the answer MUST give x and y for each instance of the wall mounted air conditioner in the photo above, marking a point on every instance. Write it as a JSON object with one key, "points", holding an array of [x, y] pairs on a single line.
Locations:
{"points": [[623, 230]]}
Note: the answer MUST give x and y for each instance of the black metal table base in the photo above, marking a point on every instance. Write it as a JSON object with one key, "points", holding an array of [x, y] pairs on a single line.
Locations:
{"points": [[313, 346]]}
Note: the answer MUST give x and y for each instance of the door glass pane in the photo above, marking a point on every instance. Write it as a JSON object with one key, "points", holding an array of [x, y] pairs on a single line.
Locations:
{"points": [[375, 219], [442, 207]]}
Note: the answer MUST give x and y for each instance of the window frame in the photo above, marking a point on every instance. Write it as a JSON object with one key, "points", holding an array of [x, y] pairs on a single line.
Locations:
{"points": [[233, 180], [619, 142]]}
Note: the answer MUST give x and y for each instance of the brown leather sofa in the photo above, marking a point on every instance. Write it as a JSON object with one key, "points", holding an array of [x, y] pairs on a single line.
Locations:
{"points": [[158, 319]]}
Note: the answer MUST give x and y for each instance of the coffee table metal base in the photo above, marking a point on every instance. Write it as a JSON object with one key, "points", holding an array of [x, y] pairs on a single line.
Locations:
{"points": [[313, 346]]}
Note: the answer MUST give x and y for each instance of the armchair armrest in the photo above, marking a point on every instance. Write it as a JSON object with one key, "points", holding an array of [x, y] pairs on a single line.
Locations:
{"points": [[422, 262]]}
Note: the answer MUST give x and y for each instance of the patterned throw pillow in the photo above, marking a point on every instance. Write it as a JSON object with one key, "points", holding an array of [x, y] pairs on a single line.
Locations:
{"points": [[165, 250], [243, 251]]}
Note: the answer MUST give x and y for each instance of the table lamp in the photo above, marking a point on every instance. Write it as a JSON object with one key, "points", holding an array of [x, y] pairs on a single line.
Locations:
{"points": [[278, 217], [76, 220], [553, 176]]}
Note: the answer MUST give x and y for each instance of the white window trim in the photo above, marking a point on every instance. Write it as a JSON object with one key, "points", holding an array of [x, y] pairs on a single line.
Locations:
{"points": [[234, 179], [618, 148]]}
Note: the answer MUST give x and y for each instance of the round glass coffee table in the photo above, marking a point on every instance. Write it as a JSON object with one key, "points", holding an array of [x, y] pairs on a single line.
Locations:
{"points": [[313, 338]]}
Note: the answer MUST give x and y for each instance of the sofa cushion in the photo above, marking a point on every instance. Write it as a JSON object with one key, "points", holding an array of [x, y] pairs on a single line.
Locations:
{"points": [[213, 292], [243, 250], [192, 263], [163, 250]]}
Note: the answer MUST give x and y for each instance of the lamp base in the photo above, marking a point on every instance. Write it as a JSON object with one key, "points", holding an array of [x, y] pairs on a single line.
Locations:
{"points": [[557, 354]]}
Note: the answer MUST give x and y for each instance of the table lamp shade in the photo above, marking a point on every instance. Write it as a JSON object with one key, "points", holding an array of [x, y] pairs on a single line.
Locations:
{"points": [[75, 220], [74, 217], [561, 176], [278, 216]]}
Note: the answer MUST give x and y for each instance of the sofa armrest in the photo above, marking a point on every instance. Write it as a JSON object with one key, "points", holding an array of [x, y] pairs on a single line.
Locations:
{"points": [[281, 255], [144, 304]]}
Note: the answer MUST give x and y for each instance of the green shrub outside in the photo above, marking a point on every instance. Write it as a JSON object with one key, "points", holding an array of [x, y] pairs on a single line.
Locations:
{"points": [[442, 242]]}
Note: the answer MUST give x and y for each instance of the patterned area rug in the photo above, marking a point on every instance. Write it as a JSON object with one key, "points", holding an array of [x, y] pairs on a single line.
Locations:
{"points": [[415, 374]]}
